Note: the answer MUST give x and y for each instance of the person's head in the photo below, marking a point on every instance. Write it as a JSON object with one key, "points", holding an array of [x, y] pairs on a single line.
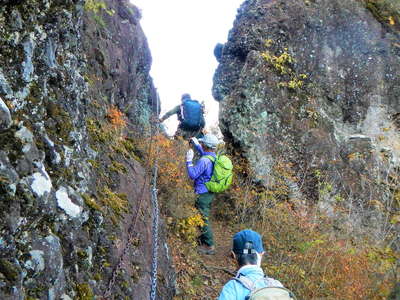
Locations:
{"points": [[209, 142], [185, 97], [247, 247]]}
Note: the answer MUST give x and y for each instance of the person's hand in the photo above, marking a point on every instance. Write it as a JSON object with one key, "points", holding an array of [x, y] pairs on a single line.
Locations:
{"points": [[189, 155], [195, 141]]}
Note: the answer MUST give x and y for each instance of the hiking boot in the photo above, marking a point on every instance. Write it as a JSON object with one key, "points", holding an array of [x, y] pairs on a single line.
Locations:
{"points": [[207, 250]]}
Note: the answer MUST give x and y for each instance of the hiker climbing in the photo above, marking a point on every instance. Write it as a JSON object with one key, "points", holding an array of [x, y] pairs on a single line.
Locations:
{"points": [[250, 282], [190, 115], [202, 173]]}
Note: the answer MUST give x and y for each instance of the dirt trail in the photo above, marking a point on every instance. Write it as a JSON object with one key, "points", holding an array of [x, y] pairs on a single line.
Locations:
{"points": [[216, 267], [201, 277]]}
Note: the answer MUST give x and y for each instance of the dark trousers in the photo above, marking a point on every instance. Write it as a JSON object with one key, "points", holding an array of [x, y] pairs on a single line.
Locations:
{"points": [[203, 204], [187, 134]]}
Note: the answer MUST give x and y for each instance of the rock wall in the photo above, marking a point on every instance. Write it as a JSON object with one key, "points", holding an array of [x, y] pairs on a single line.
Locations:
{"points": [[74, 87], [315, 85]]}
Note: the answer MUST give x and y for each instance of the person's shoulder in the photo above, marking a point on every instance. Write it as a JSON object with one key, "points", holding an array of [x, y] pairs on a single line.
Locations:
{"points": [[273, 282], [204, 158], [231, 282], [207, 157], [230, 291]]}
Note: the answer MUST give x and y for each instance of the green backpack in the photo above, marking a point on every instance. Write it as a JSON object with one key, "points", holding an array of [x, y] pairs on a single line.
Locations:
{"points": [[222, 175]]}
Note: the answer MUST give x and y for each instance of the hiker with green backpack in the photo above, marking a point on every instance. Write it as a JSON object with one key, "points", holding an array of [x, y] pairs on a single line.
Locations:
{"points": [[211, 174], [250, 283]]}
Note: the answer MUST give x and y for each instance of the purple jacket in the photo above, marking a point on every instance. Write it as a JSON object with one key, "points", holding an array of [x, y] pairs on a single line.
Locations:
{"points": [[201, 172]]}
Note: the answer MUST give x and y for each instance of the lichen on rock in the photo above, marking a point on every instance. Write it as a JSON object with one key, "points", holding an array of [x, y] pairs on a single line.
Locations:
{"points": [[62, 65], [65, 203], [297, 82]]}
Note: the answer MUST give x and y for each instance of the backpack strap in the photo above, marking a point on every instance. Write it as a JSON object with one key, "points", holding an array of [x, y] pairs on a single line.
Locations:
{"points": [[217, 154], [180, 114], [270, 282], [212, 158], [246, 282]]}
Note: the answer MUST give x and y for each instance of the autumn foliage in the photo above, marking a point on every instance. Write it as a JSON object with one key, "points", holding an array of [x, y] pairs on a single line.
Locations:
{"points": [[317, 263], [175, 189], [306, 250], [116, 117]]}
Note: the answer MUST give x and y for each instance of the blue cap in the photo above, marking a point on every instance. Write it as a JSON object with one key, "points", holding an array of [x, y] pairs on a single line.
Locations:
{"points": [[185, 96], [244, 236]]}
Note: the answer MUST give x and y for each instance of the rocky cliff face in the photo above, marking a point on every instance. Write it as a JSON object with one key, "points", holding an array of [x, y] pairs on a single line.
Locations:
{"points": [[315, 85], [74, 85]]}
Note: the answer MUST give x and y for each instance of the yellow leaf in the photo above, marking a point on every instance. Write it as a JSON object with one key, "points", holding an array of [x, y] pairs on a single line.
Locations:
{"points": [[391, 20], [376, 204], [395, 219]]}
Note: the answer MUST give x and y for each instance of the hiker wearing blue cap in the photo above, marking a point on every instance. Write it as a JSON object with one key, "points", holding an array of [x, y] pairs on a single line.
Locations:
{"points": [[248, 250], [201, 173]]}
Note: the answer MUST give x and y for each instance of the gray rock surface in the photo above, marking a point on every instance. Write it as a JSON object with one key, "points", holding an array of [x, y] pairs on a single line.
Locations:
{"points": [[64, 212], [314, 85], [5, 116]]}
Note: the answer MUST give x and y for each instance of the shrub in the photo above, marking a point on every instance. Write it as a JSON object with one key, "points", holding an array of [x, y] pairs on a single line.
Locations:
{"points": [[116, 117], [309, 258], [305, 249], [175, 189], [188, 228], [96, 7]]}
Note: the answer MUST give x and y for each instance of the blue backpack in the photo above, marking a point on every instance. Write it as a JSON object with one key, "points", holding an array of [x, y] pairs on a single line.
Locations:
{"points": [[191, 115]]}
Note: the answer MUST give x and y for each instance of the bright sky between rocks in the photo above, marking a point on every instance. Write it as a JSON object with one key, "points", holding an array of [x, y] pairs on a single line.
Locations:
{"points": [[182, 35]]}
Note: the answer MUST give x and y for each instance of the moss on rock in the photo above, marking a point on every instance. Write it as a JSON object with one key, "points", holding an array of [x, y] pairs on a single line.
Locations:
{"points": [[84, 292], [8, 270], [117, 202], [89, 201], [10, 144], [385, 11], [62, 125]]}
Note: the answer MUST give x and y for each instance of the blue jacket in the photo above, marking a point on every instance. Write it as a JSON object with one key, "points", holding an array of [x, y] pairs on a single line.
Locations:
{"points": [[234, 290], [201, 172]]}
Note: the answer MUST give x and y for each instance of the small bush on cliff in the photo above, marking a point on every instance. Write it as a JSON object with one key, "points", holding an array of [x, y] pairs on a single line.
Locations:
{"points": [[96, 7], [108, 137], [283, 62], [116, 117]]}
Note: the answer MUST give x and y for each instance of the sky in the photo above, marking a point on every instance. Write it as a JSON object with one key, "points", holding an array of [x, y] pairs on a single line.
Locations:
{"points": [[182, 35]]}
